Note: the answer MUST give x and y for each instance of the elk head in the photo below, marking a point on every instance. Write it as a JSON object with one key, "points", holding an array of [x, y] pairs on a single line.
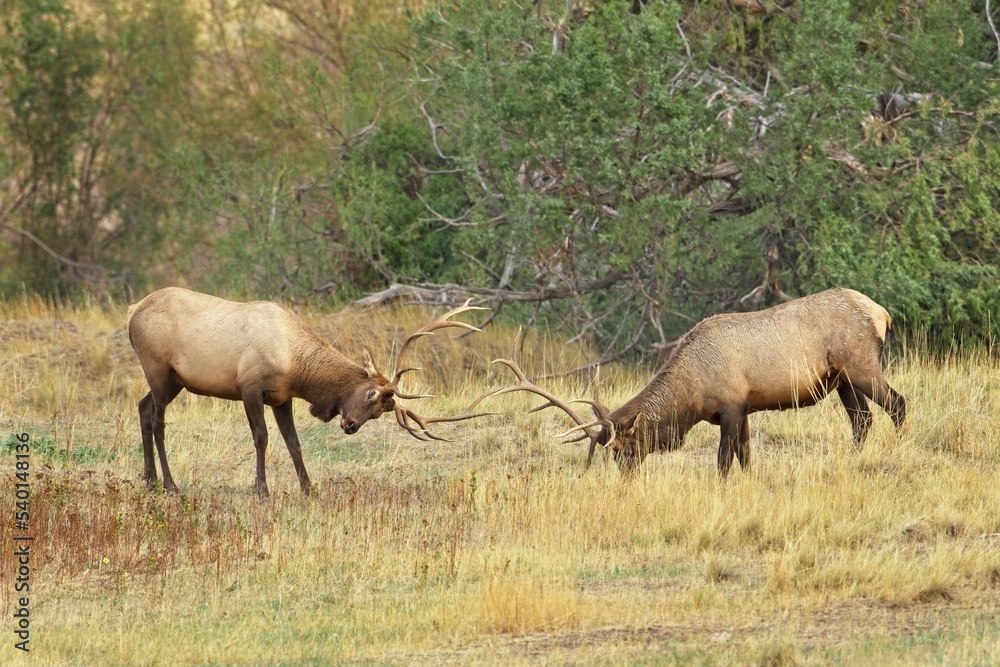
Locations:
{"points": [[630, 436], [368, 400]]}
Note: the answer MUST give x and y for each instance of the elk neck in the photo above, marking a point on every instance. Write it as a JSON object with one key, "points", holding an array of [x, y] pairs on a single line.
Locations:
{"points": [[665, 409], [323, 376]]}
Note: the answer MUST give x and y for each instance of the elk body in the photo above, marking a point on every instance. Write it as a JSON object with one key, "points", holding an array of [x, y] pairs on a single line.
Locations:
{"points": [[259, 353], [731, 365]]}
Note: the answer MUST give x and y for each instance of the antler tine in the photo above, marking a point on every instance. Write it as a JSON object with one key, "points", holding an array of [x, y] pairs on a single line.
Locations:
{"points": [[404, 415], [593, 441], [427, 330], [592, 403], [539, 408], [492, 392], [403, 419], [524, 384], [583, 427], [603, 416], [412, 397], [569, 441], [410, 421], [529, 386], [596, 401], [514, 368]]}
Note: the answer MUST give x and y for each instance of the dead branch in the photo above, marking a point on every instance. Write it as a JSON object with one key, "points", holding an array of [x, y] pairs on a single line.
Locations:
{"points": [[460, 221], [301, 190], [93, 270], [844, 157], [434, 125], [950, 112], [27, 194], [687, 61], [448, 294], [993, 27], [413, 294]]}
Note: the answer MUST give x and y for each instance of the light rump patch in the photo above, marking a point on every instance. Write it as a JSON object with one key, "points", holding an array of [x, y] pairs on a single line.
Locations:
{"points": [[877, 315]]}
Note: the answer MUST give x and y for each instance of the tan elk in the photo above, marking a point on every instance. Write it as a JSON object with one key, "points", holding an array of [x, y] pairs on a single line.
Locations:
{"points": [[260, 353], [730, 365]]}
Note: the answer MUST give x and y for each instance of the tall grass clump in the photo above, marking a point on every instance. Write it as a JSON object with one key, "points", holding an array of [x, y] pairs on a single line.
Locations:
{"points": [[496, 544]]}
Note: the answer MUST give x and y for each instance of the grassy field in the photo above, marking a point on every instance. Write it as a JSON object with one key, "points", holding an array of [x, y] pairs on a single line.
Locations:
{"points": [[496, 547]]}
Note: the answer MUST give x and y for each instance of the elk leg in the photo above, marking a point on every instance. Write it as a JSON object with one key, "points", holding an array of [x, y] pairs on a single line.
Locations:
{"points": [[286, 425], [161, 398], [729, 426], [857, 410], [892, 402], [743, 446], [253, 403], [148, 455], [886, 397]]}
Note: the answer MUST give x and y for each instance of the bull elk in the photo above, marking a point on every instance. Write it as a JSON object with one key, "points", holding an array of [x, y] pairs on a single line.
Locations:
{"points": [[734, 364], [261, 353]]}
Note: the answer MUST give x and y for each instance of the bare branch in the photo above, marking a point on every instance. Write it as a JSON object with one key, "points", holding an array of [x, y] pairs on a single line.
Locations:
{"points": [[949, 112], [414, 294], [844, 157], [94, 269], [508, 268], [451, 294], [274, 197], [607, 357], [460, 221], [18, 202], [993, 27], [301, 190], [434, 125], [687, 61], [901, 74]]}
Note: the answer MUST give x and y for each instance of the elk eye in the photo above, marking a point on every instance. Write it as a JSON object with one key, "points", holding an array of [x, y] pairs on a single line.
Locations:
{"points": [[371, 394]]}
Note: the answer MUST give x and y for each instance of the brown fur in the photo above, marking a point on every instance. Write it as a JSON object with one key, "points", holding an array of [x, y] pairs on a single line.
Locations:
{"points": [[259, 353], [731, 365]]}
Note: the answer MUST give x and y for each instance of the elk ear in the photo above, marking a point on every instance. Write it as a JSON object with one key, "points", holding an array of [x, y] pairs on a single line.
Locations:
{"points": [[370, 366], [627, 427]]}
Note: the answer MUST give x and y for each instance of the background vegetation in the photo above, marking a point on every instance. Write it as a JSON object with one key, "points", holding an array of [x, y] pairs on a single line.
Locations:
{"points": [[615, 168]]}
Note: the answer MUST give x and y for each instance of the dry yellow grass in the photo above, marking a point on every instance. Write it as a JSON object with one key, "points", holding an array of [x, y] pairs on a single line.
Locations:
{"points": [[494, 547]]}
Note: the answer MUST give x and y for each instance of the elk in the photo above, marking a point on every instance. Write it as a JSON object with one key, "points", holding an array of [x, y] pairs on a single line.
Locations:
{"points": [[734, 364], [261, 353]]}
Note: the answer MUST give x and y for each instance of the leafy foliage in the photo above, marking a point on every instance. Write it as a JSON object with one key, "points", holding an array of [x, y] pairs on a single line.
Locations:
{"points": [[619, 169], [725, 163], [96, 102]]}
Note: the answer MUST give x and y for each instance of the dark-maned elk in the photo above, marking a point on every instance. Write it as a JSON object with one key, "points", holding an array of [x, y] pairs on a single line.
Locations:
{"points": [[730, 365], [260, 353]]}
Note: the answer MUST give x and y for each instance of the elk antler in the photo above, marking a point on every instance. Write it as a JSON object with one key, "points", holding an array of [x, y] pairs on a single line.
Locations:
{"points": [[603, 415], [406, 418], [427, 330], [524, 384]]}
